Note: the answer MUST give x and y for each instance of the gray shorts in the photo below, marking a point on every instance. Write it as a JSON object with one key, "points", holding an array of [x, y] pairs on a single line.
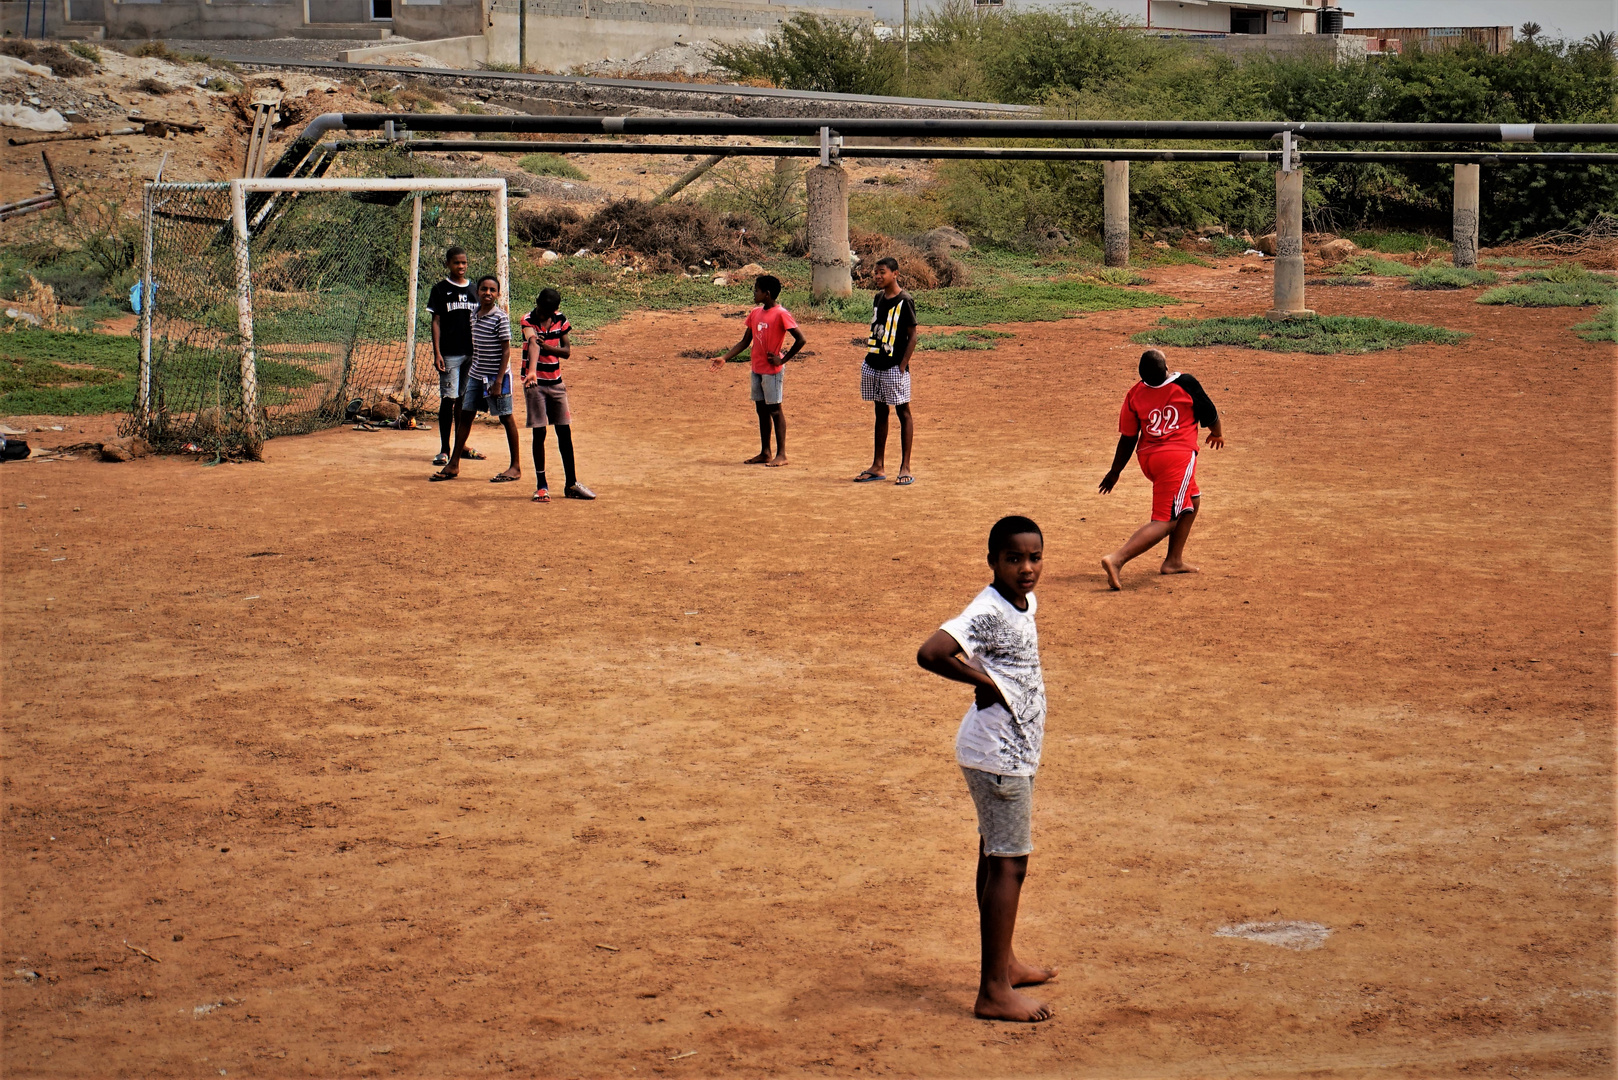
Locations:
{"points": [[886, 386], [452, 380], [768, 388], [1005, 811], [546, 402]]}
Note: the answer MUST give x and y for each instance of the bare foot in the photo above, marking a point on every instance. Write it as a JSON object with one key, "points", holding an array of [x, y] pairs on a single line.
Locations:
{"points": [[1112, 573], [758, 459], [776, 462], [1178, 568], [1022, 974], [1010, 1005]]}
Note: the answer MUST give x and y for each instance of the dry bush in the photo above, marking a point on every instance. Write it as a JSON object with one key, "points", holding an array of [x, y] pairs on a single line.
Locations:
{"points": [[670, 236], [918, 269], [153, 86], [62, 63]]}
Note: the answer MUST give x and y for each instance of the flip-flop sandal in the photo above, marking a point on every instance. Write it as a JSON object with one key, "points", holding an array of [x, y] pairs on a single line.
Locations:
{"points": [[472, 455], [904, 481], [502, 478], [438, 476], [441, 460], [870, 477], [542, 496]]}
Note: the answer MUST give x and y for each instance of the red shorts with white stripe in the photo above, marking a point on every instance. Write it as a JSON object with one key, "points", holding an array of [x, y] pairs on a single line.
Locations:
{"points": [[1173, 473]]}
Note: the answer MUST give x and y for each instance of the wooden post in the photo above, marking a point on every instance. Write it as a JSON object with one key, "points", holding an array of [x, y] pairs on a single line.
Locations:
{"points": [[61, 192]]}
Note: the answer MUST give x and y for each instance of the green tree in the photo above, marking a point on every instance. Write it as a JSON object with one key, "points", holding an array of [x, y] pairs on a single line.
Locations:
{"points": [[812, 53]]}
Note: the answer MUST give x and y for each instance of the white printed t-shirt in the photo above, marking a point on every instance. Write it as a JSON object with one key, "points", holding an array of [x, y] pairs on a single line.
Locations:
{"points": [[1003, 643]]}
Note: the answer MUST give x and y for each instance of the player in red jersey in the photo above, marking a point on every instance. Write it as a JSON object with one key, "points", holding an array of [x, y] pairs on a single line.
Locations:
{"points": [[1162, 413]]}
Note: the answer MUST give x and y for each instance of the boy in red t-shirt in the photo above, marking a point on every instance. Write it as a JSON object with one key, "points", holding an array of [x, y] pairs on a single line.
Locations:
{"points": [[1162, 413], [767, 328]]}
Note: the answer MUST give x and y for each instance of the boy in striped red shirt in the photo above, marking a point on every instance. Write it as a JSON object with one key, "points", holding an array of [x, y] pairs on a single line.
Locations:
{"points": [[1161, 414]]}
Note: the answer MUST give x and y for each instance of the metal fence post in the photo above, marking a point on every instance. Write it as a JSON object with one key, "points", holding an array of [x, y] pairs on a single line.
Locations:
{"points": [[244, 319], [410, 305], [502, 257]]}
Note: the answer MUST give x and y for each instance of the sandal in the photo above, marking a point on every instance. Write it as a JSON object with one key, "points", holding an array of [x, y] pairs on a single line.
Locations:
{"points": [[542, 496], [905, 480], [441, 460], [869, 477], [502, 478], [471, 455], [437, 476]]}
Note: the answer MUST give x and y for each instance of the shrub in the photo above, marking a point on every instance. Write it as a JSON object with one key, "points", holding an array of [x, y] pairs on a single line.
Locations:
{"points": [[551, 165], [62, 63], [809, 52], [1443, 276], [1324, 335], [543, 228], [1395, 243], [153, 86], [85, 51]]}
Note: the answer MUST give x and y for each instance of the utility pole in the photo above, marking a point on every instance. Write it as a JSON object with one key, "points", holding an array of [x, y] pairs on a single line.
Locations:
{"points": [[907, 45], [522, 35]]}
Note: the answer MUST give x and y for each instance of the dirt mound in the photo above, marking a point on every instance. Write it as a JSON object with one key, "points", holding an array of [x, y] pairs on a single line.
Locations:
{"points": [[918, 269], [669, 236], [62, 63]]}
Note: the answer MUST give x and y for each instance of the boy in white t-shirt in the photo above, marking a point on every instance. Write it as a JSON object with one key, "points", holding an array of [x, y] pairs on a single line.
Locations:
{"points": [[993, 647]]}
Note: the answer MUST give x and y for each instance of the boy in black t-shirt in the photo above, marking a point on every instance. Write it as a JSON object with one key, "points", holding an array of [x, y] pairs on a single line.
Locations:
{"points": [[885, 374], [452, 302]]}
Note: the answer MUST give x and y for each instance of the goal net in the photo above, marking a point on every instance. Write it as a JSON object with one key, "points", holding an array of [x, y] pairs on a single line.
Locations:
{"points": [[269, 306]]}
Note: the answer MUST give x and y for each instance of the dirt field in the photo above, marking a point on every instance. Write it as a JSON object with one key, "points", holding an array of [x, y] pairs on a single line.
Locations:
{"points": [[395, 778]]}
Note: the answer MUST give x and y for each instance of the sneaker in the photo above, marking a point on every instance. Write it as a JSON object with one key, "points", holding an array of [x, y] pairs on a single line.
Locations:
{"points": [[441, 459], [542, 495], [577, 491]]}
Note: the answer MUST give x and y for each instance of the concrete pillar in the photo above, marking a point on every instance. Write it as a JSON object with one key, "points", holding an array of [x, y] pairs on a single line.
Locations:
{"points": [[1288, 246], [1115, 212], [830, 269], [1466, 215]]}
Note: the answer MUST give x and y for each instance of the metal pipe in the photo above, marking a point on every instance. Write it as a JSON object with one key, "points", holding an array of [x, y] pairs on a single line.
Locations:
{"points": [[1219, 130], [143, 391], [1002, 153]]}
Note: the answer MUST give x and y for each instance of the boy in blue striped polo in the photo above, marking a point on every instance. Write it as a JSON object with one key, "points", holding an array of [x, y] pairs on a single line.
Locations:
{"points": [[488, 383]]}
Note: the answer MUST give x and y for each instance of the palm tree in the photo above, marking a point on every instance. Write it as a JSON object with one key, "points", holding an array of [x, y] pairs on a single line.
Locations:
{"points": [[1605, 42], [1530, 31]]}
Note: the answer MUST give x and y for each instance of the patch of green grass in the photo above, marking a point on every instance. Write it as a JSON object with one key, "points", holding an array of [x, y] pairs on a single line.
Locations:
{"points": [[1156, 256], [1229, 245], [85, 51], [1363, 265], [1511, 262], [1604, 327], [1395, 243], [551, 165], [1585, 290], [961, 340], [1118, 275], [500, 66], [1324, 336], [1442, 276], [1563, 274], [473, 107]]}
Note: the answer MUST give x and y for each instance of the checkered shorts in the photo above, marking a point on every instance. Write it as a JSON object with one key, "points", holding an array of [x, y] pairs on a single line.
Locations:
{"points": [[889, 386]]}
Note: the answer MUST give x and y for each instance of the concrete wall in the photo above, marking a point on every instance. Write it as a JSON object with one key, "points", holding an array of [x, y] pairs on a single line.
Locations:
{"points": [[467, 52], [423, 20], [195, 19], [563, 34]]}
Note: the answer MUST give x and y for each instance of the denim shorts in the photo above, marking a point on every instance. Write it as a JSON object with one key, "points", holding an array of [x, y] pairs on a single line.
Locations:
{"points": [[452, 380], [477, 399], [768, 388], [1005, 811]]}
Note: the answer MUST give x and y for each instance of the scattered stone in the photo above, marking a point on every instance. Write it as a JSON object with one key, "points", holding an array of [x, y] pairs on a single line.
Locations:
{"points": [[1164, 244], [943, 238], [1336, 251], [1266, 244], [752, 269], [548, 256], [126, 449]]}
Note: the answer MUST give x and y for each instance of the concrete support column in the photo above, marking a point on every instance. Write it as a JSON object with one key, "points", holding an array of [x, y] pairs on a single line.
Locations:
{"points": [[1289, 301], [1115, 212], [1466, 214], [831, 270]]}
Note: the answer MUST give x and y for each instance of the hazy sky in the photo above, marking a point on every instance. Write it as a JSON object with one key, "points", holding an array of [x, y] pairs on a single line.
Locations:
{"points": [[1560, 18]]}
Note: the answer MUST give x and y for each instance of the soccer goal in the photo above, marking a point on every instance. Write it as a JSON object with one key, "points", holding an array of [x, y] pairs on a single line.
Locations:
{"points": [[268, 306]]}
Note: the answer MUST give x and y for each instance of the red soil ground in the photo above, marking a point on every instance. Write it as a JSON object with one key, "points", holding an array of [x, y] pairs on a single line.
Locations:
{"points": [[395, 778]]}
